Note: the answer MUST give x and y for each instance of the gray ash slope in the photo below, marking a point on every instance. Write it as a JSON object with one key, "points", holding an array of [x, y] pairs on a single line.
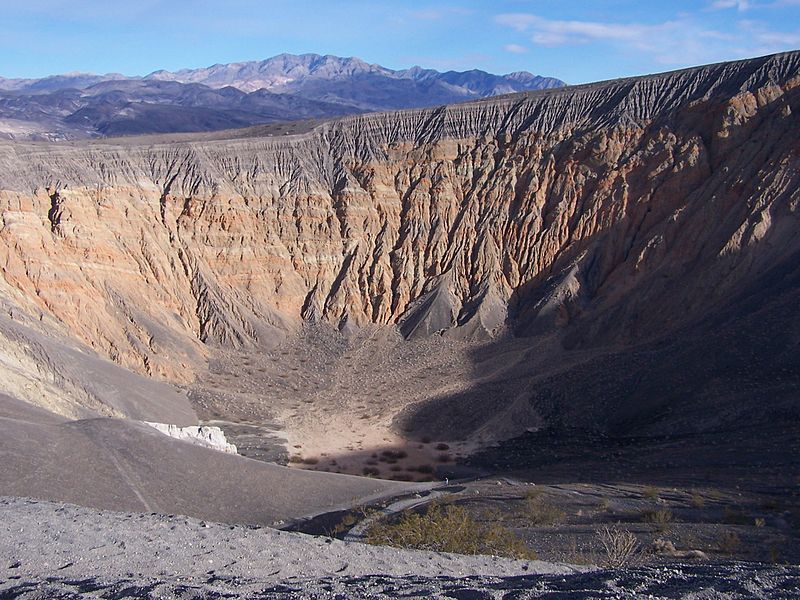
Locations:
{"points": [[123, 465], [61, 551]]}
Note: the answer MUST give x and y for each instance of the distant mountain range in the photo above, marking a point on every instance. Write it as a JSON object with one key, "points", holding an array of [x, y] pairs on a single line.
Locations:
{"points": [[283, 88]]}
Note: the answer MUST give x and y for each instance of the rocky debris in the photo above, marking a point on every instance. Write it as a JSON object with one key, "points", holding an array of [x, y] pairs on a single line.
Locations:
{"points": [[42, 537], [663, 547], [61, 551], [202, 435]]}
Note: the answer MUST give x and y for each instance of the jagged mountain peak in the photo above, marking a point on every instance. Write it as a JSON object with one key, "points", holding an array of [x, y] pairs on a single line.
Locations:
{"points": [[285, 87], [291, 70]]}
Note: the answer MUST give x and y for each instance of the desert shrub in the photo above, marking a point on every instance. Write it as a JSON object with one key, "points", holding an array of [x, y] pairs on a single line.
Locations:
{"points": [[442, 446], [448, 529], [371, 471], [620, 548], [651, 492], [574, 554], [729, 542], [344, 525], [660, 517], [534, 492], [697, 500], [539, 512], [424, 469], [295, 458], [311, 460], [444, 457]]}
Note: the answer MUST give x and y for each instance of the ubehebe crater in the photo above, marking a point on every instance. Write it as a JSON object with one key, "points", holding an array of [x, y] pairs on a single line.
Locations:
{"points": [[390, 294]]}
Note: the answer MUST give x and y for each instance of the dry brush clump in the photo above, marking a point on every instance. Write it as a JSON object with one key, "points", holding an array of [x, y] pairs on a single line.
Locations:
{"points": [[651, 492], [448, 528], [620, 547], [729, 542], [539, 512], [660, 517], [697, 500]]}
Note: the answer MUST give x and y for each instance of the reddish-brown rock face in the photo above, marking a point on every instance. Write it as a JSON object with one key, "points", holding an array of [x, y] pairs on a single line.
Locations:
{"points": [[633, 202]]}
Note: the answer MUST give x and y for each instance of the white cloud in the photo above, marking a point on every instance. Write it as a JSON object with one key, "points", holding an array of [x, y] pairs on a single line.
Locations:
{"points": [[678, 42], [674, 42], [515, 48], [740, 5], [745, 5], [762, 40]]}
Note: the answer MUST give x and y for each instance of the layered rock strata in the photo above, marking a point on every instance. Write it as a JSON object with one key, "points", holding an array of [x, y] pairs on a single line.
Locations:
{"points": [[637, 201]]}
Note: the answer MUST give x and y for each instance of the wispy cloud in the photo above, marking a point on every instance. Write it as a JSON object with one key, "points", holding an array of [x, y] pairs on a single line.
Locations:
{"points": [[515, 49], [672, 42], [760, 39], [740, 5], [439, 13], [747, 5], [680, 41]]}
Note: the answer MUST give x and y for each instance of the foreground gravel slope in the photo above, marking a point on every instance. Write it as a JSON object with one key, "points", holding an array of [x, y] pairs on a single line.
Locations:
{"points": [[52, 550]]}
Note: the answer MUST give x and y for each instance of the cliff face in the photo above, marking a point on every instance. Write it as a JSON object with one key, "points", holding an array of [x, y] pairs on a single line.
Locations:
{"points": [[636, 202]]}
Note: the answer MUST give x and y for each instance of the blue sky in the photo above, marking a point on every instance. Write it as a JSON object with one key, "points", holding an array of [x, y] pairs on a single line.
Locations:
{"points": [[575, 41]]}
